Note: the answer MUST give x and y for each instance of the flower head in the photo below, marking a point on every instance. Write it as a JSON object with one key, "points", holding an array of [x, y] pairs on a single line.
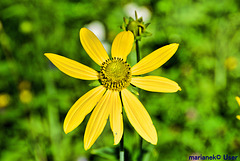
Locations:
{"points": [[115, 76]]}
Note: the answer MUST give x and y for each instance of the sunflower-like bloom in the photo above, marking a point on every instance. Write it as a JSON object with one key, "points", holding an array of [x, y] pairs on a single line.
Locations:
{"points": [[238, 101], [115, 76]]}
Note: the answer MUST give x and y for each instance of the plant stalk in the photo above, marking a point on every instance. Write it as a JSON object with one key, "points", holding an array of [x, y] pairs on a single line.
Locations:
{"points": [[137, 51], [121, 150], [141, 140]]}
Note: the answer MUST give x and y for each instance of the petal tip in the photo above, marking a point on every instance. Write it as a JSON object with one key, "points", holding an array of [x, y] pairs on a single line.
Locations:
{"points": [[116, 141], [66, 131], [154, 140], [179, 88], [50, 55], [87, 145], [47, 54], [86, 148], [154, 143], [66, 128], [84, 30], [176, 45]]}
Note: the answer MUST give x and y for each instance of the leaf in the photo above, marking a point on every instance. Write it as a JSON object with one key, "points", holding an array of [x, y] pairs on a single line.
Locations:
{"points": [[107, 153], [95, 83], [133, 89]]}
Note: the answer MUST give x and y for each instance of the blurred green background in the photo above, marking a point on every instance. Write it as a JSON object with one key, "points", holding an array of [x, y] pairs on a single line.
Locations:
{"points": [[35, 96]]}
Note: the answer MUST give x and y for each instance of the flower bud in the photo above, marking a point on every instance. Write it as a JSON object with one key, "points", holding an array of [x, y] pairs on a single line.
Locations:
{"points": [[137, 27]]}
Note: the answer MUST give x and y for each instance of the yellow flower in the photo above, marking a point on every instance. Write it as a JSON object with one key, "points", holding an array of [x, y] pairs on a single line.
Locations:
{"points": [[25, 96], [238, 101], [115, 76], [4, 100]]}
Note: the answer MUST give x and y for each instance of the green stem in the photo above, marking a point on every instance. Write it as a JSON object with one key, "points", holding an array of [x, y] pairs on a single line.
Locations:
{"points": [[121, 150], [137, 51], [141, 140]]}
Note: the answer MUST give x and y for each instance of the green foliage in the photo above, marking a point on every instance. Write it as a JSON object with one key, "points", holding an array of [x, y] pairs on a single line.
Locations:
{"points": [[35, 96]]}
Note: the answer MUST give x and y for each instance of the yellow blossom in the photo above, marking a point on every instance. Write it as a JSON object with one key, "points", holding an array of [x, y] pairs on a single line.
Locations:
{"points": [[4, 100], [231, 63], [238, 101], [115, 76], [25, 96]]}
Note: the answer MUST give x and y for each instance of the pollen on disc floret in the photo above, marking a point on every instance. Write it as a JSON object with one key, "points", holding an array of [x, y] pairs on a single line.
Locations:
{"points": [[115, 74]]}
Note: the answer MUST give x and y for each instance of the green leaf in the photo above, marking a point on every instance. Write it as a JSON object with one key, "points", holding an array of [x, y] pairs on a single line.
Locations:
{"points": [[107, 153], [95, 83], [134, 90]]}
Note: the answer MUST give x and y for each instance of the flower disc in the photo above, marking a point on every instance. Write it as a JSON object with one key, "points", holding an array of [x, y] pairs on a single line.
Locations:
{"points": [[115, 74]]}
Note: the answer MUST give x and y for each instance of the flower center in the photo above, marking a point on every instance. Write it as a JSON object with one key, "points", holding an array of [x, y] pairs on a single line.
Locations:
{"points": [[115, 74]]}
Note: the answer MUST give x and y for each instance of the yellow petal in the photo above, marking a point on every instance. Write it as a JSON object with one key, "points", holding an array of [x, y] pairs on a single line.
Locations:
{"points": [[155, 84], [238, 117], [72, 68], [139, 117], [122, 44], [93, 46], [116, 120], [154, 60], [81, 108], [238, 100], [98, 120]]}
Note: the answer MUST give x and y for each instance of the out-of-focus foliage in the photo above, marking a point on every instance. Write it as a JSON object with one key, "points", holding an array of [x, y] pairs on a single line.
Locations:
{"points": [[35, 96]]}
